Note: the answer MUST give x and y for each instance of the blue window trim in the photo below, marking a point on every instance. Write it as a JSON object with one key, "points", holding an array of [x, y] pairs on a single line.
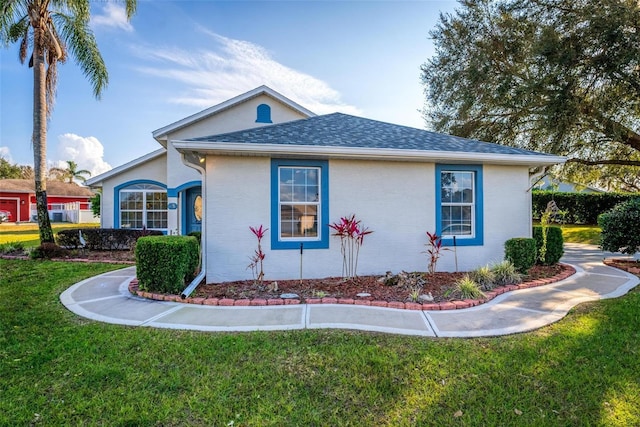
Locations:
{"points": [[116, 197], [323, 243], [478, 239]]}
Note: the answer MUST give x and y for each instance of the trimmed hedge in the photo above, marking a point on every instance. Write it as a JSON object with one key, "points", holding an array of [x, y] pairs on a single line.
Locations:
{"points": [[103, 239], [166, 263], [555, 243], [581, 208], [621, 228], [521, 251]]}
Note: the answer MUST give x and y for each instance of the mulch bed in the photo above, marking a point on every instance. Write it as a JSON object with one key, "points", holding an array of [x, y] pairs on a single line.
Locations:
{"points": [[437, 284]]}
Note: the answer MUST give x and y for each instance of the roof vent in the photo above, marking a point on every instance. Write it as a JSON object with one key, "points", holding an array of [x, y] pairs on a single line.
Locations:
{"points": [[264, 114]]}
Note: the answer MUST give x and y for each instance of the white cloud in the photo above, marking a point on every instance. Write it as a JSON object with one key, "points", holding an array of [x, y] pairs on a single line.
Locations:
{"points": [[113, 15], [232, 67], [87, 152], [5, 153]]}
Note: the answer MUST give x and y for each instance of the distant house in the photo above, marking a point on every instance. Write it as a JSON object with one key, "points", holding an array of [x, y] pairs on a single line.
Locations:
{"points": [[66, 202], [547, 183], [262, 159]]}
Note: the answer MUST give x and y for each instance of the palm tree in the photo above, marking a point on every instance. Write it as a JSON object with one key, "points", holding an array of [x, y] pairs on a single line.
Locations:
{"points": [[50, 29], [70, 173]]}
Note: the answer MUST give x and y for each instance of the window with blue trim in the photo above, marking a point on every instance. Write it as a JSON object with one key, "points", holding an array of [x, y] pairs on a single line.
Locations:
{"points": [[459, 204], [299, 204], [143, 206]]}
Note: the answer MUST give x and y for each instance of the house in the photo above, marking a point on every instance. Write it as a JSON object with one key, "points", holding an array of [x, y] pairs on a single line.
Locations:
{"points": [[65, 201], [262, 159]]}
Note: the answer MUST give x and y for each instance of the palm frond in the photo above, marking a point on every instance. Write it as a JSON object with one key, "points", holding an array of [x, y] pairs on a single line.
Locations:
{"points": [[81, 41]]}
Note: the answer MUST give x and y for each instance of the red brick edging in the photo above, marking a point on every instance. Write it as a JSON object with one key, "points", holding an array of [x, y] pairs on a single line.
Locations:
{"points": [[566, 272]]}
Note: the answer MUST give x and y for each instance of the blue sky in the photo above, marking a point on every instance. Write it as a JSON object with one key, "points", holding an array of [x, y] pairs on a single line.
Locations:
{"points": [[176, 58]]}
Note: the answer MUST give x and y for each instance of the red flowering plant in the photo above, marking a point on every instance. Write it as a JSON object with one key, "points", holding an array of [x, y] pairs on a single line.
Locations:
{"points": [[434, 249], [351, 234], [256, 265]]}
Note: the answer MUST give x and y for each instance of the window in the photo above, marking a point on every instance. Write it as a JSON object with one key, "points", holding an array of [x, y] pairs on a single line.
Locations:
{"points": [[459, 204], [299, 204], [143, 206]]}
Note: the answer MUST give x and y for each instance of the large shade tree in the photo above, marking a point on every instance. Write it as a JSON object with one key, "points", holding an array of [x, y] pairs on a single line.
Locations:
{"points": [[46, 32], [560, 76]]}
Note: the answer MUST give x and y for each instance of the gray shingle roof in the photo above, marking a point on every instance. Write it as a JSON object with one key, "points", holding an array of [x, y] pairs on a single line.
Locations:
{"points": [[342, 130]]}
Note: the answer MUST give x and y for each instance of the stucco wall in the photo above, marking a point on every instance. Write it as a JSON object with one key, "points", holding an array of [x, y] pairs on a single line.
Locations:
{"points": [[394, 199], [154, 170]]}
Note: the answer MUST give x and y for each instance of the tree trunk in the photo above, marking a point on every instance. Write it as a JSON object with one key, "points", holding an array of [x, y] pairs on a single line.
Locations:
{"points": [[39, 137]]}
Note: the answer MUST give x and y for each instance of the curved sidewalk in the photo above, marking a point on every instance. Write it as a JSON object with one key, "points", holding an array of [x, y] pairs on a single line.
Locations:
{"points": [[106, 298]]}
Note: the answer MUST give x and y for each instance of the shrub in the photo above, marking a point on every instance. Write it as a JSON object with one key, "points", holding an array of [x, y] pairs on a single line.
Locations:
{"points": [[48, 251], [103, 239], [505, 273], [166, 263], [580, 208], [521, 251], [466, 288], [196, 234], [484, 277], [554, 244], [434, 249], [621, 228]]}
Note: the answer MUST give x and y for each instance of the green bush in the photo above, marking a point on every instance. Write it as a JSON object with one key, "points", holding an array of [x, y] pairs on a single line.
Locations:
{"points": [[521, 251], [48, 251], [166, 263], [555, 244], [621, 228], [103, 239], [581, 208], [196, 234]]}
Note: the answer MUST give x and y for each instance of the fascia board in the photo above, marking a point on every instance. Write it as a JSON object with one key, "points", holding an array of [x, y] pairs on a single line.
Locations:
{"points": [[364, 153]]}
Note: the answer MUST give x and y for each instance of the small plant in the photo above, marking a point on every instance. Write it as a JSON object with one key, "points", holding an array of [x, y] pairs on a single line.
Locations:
{"points": [[11, 247], [318, 294], [351, 234], [434, 251], [414, 294], [505, 273], [257, 260], [484, 277], [466, 288]]}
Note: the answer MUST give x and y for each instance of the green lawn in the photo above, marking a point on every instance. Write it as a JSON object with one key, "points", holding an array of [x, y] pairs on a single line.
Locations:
{"points": [[581, 234], [28, 233], [59, 369]]}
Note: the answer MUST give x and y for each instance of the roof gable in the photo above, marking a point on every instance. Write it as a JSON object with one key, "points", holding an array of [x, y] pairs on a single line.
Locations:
{"points": [[161, 134]]}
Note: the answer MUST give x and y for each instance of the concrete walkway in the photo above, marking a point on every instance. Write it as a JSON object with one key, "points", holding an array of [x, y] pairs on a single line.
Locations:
{"points": [[106, 298]]}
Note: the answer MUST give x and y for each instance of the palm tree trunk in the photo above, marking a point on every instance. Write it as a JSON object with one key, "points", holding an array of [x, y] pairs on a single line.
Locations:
{"points": [[39, 137]]}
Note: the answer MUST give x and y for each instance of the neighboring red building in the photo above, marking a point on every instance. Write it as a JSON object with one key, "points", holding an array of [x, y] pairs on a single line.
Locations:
{"points": [[18, 197]]}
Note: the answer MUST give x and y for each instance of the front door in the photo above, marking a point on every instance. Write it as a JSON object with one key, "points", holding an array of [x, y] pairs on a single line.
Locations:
{"points": [[194, 209]]}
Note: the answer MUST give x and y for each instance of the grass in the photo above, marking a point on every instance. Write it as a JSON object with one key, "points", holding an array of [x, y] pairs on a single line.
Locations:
{"points": [[59, 369], [589, 234], [28, 233]]}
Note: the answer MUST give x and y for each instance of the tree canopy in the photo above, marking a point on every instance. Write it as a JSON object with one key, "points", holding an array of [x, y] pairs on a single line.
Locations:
{"points": [[46, 31], [559, 76]]}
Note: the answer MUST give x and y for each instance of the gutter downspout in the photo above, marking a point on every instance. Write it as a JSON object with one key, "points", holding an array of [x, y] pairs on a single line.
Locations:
{"points": [[200, 167]]}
